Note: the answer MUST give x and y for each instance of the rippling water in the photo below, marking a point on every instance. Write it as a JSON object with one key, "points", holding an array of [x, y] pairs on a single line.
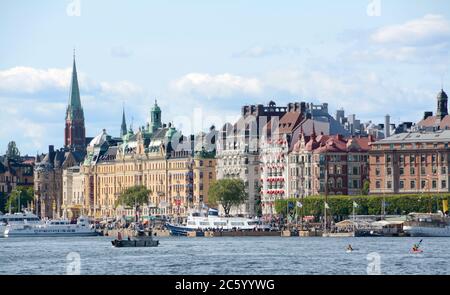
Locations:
{"points": [[241, 255]]}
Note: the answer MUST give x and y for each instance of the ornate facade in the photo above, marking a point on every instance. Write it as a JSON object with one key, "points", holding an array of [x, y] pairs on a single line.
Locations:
{"points": [[157, 156]]}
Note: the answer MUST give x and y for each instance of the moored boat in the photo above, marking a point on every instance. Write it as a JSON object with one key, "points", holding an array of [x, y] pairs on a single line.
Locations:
{"points": [[52, 228], [17, 220], [427, 225], [198, 221]]}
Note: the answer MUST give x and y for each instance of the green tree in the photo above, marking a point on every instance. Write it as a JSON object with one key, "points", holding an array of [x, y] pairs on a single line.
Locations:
{"points": [[134, 197], [19, 198], [366, 187], [12, 152], [227, 193]]}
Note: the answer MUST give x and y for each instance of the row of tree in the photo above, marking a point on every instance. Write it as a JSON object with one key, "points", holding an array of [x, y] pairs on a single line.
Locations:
{"points": [[343, 206]]}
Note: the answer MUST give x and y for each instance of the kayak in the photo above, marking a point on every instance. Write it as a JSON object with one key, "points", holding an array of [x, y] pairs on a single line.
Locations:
{"points": [[416, 251]]}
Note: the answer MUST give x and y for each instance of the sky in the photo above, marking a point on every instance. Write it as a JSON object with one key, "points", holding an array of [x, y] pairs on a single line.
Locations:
{"points": [[202, 60]]}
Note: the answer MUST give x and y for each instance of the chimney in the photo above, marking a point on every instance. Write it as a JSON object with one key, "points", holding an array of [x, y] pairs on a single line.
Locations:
{"points": [[387, 126]]}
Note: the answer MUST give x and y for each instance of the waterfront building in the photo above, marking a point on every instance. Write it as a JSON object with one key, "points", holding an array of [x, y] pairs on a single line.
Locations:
{"points": [[412, 162], [176, 169], [48, 181], [73, 192], [317, 160]]}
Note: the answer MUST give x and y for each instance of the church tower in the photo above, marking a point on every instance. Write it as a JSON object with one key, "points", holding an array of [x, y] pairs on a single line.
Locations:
{"points": [[123, 127], [155, 118], [75, 133], [442, 100]]}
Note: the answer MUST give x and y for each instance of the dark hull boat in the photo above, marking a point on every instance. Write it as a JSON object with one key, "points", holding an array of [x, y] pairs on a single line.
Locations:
{"points": [[135, 243]]}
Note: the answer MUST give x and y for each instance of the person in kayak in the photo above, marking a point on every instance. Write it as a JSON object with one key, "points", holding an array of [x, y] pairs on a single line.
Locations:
{"points": [[349, 247]]}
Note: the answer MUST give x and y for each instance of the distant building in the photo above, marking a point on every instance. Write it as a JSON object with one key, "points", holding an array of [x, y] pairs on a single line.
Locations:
{"points": [[317, 159], [13, 173], [410, 162], [441, 120]]}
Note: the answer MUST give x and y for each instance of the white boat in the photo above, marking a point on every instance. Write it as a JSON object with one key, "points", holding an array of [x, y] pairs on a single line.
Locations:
{"points": [[17, 220], [52, 228], [197, 221], [427, 225]]}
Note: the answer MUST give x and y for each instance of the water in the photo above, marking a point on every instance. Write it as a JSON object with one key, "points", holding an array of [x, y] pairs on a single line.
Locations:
{"points": [[239, 255]]}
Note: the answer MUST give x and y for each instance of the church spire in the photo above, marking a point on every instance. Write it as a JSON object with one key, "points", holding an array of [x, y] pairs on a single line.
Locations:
{"points": [[74, 137], [74, 100], [123, 127]]}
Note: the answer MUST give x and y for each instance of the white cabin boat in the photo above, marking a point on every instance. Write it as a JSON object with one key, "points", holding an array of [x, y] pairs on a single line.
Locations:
{"points": [[17, 220], [427, 225], [196, 221], [52, 228]]}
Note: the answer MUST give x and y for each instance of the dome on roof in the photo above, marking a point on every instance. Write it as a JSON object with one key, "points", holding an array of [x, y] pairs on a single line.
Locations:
{"points": [[99, 139], [442, 94], [156, 108]]}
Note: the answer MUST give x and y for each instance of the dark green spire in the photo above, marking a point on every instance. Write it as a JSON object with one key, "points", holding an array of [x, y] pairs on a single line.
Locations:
{"points": [[123, 127]]}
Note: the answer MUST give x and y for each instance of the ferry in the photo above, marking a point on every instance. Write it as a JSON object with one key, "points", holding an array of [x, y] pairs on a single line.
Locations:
{"points": [[197, 221], [427, 225], [17, 220], [52, 228]]}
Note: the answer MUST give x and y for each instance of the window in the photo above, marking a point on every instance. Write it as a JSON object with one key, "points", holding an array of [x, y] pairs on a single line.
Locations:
{"points": [[443, 184], [401, 159], [377, 172], [423, 184], [413, 184], [434, 184], [402, 184], [423, 170], [389, 171], [401, 171], [389, 184], [412, 171], [378, 184], [377, 159], [443, 170], [388, 158], [412, 159]]}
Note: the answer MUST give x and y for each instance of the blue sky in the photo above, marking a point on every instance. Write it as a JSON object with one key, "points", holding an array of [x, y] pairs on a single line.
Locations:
{"points": [[202, 60]]}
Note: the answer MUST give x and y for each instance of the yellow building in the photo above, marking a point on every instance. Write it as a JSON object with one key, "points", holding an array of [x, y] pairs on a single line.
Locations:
{"points": [[161, 159]]}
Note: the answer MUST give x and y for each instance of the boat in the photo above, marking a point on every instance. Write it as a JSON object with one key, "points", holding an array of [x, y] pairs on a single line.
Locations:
{"points": [[427, 225], [140, 240], [199, 221], [17, 220], [416, 251], [52, 228]]}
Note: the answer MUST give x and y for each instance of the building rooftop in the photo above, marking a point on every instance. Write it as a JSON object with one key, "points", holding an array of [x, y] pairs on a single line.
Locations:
{"points": [[422, 136]]}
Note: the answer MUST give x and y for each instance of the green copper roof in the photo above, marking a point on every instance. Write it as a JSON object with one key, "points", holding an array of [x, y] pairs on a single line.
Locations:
{"points": [[74, 109], [75, 101], [156, 108]]}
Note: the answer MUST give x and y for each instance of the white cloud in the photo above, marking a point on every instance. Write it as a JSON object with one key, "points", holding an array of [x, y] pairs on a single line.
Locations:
{"points": [[222, 85], [261, 51], [429, 29], [31, 80]]}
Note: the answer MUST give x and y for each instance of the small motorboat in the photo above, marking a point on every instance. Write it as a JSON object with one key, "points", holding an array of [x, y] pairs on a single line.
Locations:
{"points": [[140, 240]]}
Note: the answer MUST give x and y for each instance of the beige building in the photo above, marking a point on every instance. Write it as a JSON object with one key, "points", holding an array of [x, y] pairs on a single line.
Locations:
{"points": [[73, 192], [177, 170]]}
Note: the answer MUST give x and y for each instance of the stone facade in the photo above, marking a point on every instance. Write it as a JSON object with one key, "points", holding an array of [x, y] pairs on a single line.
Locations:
{"points": [[73, 192], [413, 162]]}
